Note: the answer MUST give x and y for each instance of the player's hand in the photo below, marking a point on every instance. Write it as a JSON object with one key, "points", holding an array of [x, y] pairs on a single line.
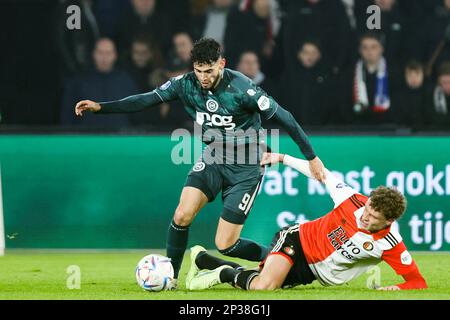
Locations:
{"points": [[317, 169], [269, 158], [86, 105], [389, 288]]}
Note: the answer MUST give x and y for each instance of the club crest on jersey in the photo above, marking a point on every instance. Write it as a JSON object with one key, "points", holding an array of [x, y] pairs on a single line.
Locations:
{"points": [[289, 251], [212, 105], [199, 166], [368, 246]]}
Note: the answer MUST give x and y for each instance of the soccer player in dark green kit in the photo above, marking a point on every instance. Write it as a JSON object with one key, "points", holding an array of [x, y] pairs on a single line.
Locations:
{"points": [[228, 102]]}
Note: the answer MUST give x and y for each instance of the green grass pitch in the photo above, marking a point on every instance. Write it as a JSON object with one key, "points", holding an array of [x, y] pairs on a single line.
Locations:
{"points": [[110, 275]]}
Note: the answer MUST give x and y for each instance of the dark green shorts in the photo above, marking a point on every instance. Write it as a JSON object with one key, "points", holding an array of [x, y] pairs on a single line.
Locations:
{"points": [[239, 184]]}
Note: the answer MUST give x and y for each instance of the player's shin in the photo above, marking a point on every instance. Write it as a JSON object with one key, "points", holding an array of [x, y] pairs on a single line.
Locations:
{"points": [[207, 261], [246, 249], [177, 240]]}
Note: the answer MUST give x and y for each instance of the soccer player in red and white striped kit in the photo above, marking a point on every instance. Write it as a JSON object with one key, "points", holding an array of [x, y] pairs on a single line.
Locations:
{"points": [[333, 249]]}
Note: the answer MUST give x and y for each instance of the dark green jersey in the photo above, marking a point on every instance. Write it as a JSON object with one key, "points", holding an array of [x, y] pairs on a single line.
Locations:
{"points": [[234, 106], [236, 103]]}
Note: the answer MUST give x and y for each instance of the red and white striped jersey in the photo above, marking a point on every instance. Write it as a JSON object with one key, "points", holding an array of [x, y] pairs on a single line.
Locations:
{"points": [[338, 249]]}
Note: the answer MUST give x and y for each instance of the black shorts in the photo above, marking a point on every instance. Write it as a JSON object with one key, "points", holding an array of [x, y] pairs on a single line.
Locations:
{"points": [[286, 242], [239, 184]]}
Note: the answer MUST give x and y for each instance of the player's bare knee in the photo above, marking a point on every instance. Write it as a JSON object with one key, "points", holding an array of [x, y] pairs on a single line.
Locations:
{"points": [[183, 217]]}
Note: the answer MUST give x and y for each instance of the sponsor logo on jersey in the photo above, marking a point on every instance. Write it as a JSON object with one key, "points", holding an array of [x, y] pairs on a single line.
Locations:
{"points": [[165, 85], [263, 103], [406, 258], [251, 92], [342, 244], [199, 166], [368, 246], [212, 105], [341, 185], [215, 120]]}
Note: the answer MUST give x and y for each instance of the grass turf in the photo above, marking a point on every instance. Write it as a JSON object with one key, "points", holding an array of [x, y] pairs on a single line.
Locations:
{"points": [[110, 275]]}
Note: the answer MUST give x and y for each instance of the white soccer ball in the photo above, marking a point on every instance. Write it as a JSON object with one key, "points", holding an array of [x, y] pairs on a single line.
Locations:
{"points": [[154, 272]]}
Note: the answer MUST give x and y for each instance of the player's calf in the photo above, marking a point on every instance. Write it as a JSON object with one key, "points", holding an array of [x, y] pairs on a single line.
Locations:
{"points": [[263, 283]]}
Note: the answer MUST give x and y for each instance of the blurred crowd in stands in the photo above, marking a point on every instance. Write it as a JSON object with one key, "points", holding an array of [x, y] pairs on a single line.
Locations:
{"points": [[317, 58]]}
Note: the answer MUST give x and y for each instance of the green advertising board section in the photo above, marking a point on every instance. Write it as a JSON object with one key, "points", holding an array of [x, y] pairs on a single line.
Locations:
{"points": [[121, 191]]}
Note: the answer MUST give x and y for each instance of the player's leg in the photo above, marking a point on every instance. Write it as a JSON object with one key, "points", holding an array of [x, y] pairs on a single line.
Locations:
{"points": [[278, 270], [272, 276], [191, 201], [286, 265], [202, 260], [229, 242], [238, 200], [201, 186]]}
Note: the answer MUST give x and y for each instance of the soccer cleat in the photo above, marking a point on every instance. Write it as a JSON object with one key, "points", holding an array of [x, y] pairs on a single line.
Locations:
{"points": [[206, 279], [193, 270]]}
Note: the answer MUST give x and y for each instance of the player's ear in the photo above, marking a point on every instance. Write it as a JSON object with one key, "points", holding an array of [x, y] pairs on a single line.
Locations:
{"points": [[222, 63]]}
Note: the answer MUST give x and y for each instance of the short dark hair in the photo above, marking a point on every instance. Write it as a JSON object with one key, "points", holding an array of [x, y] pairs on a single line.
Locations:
{"points": [[388, 201], [312, 41], [372, 35], [414, 65], [206, 51]]}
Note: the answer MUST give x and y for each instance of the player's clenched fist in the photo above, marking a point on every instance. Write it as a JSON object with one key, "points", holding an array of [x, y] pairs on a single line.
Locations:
{"points": [[86, 105]]}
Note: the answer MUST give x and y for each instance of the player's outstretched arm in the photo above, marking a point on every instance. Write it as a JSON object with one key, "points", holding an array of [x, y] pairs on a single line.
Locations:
{"points": [[413, 281], [403, 264], [134, 103], [165, 93], [300, 165], [339, 191], [288, 122]]}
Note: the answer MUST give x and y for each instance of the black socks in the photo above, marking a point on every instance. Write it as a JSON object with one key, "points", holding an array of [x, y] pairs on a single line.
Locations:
{"points": [[177, 239], [246, 249]]}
